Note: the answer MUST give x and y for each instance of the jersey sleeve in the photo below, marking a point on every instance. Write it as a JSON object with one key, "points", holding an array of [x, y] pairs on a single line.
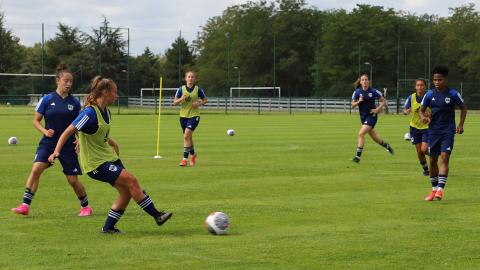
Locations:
{"points": [[201, 94], [355, 95], [85, 118], [408, 102], [377, 93], [457, 97], [426, 99], [42, 104], [179, 93]]}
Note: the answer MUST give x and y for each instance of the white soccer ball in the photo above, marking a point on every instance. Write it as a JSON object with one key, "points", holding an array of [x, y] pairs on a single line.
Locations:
{"points": [[13, 141], [217, 223], [407, 137], [230, 132]]}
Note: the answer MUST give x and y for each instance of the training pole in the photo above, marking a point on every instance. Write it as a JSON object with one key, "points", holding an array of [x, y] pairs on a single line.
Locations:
{"points": [[159, 116]]}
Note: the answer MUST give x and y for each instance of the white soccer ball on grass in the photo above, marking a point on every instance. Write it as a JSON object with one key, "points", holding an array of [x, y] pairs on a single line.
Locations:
{"points": [[407, 137], [217, 223], [230, 132], [13, 141]]}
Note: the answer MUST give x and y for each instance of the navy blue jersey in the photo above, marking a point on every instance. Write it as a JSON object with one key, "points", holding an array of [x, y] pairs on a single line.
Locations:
{"points": [[443, 110], [58, 113], [201, 94], [87, 121], [368, 102]]}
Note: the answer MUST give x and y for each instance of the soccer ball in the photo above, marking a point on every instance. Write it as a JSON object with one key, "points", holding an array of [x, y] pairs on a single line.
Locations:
{"points": [[407, 137], [13, 141], [217, 223], [231, 132]]}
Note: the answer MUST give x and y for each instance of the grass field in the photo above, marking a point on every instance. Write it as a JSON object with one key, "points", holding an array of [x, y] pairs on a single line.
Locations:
{"points": [[294, 199]]}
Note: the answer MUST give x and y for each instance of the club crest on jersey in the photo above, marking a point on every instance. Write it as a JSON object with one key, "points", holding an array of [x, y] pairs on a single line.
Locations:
{"points": [[70, 107], [113, 168], [370, 94], [447, 100]]}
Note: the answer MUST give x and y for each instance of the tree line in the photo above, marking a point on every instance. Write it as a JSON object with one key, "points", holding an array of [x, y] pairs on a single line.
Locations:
{"points": [[286, 43]]}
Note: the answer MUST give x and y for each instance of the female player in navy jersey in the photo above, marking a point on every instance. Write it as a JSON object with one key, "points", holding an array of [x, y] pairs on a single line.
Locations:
{"points": [[59, 108], [99, 154], [418, 130], [364, 98], [188, 95], [442, 127]]}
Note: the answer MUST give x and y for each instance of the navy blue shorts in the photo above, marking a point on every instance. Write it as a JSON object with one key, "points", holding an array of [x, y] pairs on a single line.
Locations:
{"points": [[68, 158], [369, 120], [438, 143], [190, 123], [418, 135], [108, 172]]}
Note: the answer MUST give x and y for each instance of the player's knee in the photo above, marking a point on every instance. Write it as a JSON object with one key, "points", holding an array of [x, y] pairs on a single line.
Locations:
{"points": [[132, 182]]}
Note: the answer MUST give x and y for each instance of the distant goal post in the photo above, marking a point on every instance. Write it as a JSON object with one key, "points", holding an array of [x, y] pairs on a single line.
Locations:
{"points": [[156, 89], [255, 88]]}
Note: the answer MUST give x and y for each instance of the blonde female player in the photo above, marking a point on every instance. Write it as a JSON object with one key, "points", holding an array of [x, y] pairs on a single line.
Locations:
{"points": [[99, 154], [189, 95], [418, 130], [59, 108], [364, 97]]}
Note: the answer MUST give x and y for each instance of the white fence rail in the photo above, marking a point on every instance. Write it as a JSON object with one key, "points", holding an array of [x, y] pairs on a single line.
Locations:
{"points": [[319, 105]]}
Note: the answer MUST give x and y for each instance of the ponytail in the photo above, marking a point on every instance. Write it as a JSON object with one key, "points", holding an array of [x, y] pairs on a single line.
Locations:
{"points": [[98, 85]]}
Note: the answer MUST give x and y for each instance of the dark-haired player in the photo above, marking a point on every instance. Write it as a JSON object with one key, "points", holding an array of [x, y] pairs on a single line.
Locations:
{"points": [[442, 129], [418, 130], [364, 98], [59, 108], [189, 95]]}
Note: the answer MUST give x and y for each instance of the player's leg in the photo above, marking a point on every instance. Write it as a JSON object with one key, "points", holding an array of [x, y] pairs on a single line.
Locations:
{"points": [[421, 157], [361, 142], [127, 180], [117, 210], [186, 143], [31, 187], [191, 126], [446, 146], [71, 169], [377, 139]]}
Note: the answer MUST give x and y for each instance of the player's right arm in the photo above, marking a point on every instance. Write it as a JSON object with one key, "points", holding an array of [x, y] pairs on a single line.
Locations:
{"points": [[408, 105], [356, 99], [179, 97], [37, 123], [63, 138]]}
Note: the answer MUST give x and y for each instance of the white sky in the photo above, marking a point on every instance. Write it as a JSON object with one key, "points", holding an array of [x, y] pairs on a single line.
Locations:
{"points": [[156, 23]]}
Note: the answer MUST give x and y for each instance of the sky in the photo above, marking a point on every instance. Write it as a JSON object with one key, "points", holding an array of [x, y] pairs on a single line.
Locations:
{"points": [[156, 23]]}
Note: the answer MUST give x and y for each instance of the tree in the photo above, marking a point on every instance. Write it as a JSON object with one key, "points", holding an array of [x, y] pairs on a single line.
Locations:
{"points": [[171, 68]]}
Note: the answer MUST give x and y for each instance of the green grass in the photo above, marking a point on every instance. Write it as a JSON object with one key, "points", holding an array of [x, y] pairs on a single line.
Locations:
{"points": [[294, 199]]}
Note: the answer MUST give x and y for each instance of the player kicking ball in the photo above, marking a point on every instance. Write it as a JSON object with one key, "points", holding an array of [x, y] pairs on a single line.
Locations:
{"points": [[99, 154], [442, 128]]}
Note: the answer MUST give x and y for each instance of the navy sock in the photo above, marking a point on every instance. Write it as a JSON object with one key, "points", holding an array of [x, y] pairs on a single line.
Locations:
{"points": [[434, 180], [192, 151], [185, 152], [148, 206], [442, 180], [384, 144], [83, 200], [359, 151], [424, 166], [113, 218], [27, 196]]}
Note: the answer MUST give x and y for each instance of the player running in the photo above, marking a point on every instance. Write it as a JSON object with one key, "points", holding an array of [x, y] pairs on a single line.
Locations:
{"points": [[364, 97], [188, 95], [59, 108], [418, 130], [441, 130], [99, 154]]}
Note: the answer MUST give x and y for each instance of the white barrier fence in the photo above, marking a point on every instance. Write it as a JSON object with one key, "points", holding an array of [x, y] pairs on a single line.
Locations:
{"points": [[320, 105]]}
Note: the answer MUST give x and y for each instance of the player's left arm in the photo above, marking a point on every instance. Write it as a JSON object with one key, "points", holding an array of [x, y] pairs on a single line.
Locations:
{"points": [[384, 102], [202, 96], [463, 115], [114, 145]]}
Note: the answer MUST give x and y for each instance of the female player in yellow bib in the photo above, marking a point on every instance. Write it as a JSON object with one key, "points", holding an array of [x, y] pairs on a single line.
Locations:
{"points": [[418, 130], [99, 154], [189, 96]]}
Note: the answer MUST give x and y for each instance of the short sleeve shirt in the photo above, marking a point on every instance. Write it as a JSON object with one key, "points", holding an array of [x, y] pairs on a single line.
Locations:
{"points": [[443, 110], [368, 102]]}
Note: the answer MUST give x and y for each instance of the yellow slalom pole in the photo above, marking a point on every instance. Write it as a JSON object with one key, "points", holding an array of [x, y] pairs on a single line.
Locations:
{"points": [[159, 117]]}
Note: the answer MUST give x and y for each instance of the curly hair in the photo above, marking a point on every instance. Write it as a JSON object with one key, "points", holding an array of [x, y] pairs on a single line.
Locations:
{"points": [[62, 69], [440, 69]]}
